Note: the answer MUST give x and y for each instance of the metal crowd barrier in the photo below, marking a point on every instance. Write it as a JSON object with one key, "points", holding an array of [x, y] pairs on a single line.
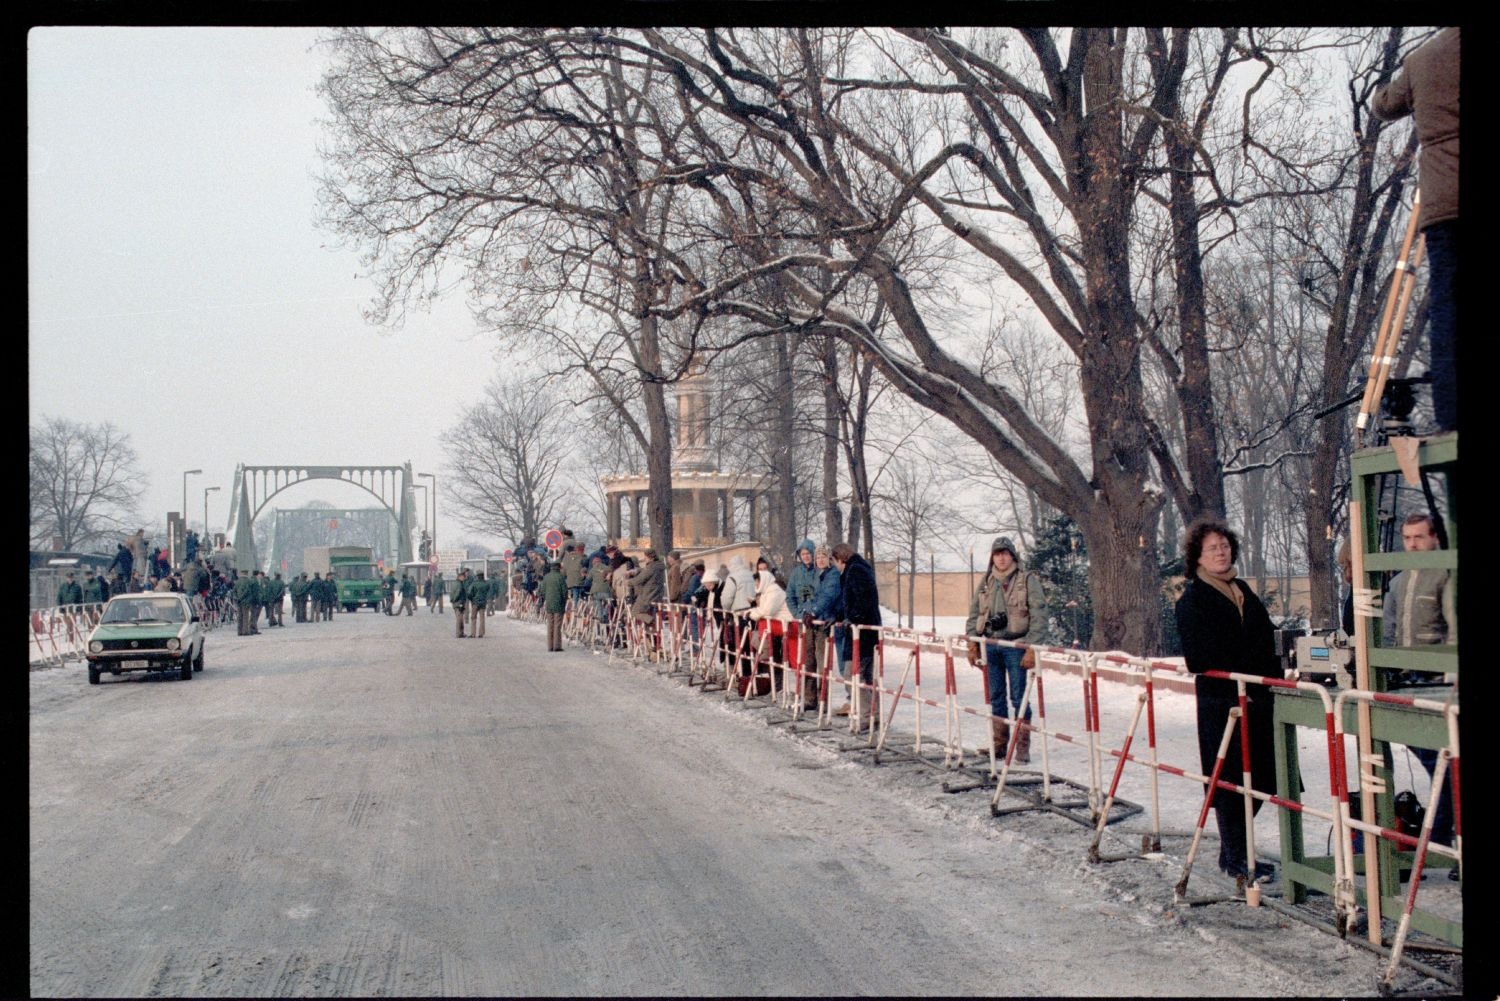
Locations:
{"points": [[729, 646]]}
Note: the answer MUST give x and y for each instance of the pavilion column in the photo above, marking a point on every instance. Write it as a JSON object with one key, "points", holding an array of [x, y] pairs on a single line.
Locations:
{"points": [[697, 516], [635, 516], [754, 516]]}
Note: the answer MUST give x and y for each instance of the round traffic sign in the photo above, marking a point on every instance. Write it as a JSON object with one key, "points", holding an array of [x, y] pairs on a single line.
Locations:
{"points": [[510, 554], [553, 539]]}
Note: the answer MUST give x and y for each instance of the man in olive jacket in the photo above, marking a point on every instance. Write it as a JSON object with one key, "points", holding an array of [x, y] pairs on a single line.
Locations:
{"points": [[478, 598], [246, 594], [297, 587], [68, 592], [1009, 604], [554, 603], [461, 600], [275, 590]]}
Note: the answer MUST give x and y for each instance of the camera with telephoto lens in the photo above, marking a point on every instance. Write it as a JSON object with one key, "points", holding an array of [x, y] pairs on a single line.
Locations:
{"points": [[996, 624]]}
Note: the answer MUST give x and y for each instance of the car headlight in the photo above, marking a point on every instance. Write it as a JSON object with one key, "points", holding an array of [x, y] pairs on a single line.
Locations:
{"points": [[174, 644], [95, 646]]}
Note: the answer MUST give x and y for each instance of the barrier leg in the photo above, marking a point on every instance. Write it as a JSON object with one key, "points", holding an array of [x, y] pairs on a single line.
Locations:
{"points": [[1180, 890], [1114, 785]]}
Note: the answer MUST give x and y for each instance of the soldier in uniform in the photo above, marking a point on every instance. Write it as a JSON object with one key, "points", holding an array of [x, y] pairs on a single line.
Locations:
{"points": [[439, 592], [479, 596], [275, 590], [257, 599], [315, 595], [245, 594], [93, 588], [461, 601], [388, 592], [298, 588], [408, 595], [68, 592]]}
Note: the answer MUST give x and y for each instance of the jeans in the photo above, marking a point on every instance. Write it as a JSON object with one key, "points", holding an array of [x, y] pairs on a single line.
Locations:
{"points": [[1002, 665], [1442, 270]]}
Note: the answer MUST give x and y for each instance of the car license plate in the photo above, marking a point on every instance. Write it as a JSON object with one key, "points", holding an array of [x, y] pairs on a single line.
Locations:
{"points": [[134, 665]]}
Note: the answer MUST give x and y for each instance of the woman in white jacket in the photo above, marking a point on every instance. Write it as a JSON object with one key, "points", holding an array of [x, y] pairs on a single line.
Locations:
{"points": [[770, 613]]}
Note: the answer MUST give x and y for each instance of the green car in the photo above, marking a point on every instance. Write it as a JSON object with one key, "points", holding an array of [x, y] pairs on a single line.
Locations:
{"points": [[146, 632]]}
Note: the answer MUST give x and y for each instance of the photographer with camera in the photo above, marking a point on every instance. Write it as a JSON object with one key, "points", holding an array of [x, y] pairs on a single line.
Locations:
{"points": [[1009, 605]]}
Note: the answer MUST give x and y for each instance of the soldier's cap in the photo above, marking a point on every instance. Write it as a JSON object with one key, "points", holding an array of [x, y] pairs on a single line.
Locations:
{"points": [[1002, 542], [70, 574]]}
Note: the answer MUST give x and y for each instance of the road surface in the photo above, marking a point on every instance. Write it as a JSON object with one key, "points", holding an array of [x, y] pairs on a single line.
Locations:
{"points": [[373, 807]]}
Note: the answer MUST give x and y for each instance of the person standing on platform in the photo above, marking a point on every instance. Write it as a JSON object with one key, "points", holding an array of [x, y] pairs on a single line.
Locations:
{"points": [[1427, 89]]}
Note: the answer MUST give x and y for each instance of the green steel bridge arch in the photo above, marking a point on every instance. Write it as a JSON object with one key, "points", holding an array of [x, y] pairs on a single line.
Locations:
{"points": [[254, 487]]}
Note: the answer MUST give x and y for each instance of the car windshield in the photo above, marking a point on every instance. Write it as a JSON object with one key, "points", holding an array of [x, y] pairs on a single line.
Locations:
{"points": [[144, 610], [355, 571]]}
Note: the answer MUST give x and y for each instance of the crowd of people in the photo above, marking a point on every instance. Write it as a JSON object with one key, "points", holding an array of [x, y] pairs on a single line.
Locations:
{"points": [[827, 604]]}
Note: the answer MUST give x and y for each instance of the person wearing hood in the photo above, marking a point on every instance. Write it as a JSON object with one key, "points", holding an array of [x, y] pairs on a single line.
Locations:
{"points": [[801, 589], [1009, 604], [770, 614], [817, 615]]}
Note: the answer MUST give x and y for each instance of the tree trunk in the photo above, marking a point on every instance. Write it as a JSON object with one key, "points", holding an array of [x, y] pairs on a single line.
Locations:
{"points": [[833, 514], [658, 445], [783, 541]]}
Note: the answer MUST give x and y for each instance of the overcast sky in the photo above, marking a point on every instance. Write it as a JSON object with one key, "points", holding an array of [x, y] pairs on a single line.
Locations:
{"points": [[181, 288]]}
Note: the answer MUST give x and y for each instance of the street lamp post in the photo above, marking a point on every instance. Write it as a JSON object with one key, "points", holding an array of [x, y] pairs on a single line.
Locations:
{"points": [[432, 524], [423, 487], [207, 535], [179, 552], [425, 523]]}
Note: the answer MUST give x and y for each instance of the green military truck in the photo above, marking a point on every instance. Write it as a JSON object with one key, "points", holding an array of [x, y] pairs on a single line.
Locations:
{"points": [[353, 571]]}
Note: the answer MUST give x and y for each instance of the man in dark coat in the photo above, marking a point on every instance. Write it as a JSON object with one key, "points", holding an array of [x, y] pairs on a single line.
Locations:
{"points": [[861, 601], [1224, 627]]}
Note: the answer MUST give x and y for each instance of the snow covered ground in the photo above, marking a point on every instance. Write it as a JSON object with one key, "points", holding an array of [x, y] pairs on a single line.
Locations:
{"points": [[1136, 892]]}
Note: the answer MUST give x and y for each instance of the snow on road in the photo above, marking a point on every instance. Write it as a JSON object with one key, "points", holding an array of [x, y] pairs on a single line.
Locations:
{"points": [[374, 807]]}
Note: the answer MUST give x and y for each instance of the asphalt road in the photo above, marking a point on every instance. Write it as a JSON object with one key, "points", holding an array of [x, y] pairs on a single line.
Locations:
{"points": [[372, 807]]}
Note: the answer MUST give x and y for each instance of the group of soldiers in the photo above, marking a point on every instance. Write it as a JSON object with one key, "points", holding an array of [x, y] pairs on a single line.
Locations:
{"points": [[256, 592], [474, 599], [253, 593]]}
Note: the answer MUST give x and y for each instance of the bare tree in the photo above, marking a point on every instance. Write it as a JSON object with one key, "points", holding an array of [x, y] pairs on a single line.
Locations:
{"points": [[85, 483], [517, 158], [505, 455], [913, 505]]}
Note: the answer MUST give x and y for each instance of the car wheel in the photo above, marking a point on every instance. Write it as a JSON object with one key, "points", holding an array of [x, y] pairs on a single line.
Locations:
{"points": [[187, 667], [198, 661], [93, 674]]}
